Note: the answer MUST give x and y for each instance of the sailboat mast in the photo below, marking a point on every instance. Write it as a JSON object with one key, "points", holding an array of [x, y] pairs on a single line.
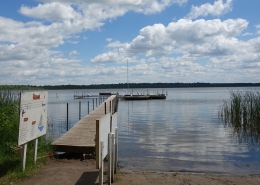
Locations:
{"points": [[127, 77]]}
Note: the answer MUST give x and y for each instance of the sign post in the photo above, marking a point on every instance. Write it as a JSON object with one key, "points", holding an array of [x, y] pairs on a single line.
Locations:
{"points": [[33, 120]]}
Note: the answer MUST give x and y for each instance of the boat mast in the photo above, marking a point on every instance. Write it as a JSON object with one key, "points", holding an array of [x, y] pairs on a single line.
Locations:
{"points": [[127, 77]]}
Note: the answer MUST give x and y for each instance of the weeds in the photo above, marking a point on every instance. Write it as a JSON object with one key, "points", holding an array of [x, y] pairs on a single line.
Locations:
{"points": [[242, 113], [10, 160]]}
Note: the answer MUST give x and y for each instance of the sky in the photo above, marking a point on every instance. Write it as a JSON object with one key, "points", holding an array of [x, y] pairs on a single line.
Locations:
{"points": [[59, 42]]}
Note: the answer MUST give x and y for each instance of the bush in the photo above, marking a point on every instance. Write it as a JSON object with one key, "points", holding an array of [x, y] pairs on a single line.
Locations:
{"points": [[10, 161], [9, 121]]}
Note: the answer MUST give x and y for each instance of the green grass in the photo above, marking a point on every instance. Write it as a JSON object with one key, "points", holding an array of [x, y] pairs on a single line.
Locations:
{"points": [[242, 113], [10, 160]]}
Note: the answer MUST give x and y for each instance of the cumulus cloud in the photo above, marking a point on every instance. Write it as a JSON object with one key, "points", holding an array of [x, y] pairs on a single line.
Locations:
{"points": [[217, 9], [208, 37], [258, 27], [144, 6], [73, 53], [109, 57], [51, 11], [191, 41], [109, 39], [163, 51], [26, 47], [247, 33]]}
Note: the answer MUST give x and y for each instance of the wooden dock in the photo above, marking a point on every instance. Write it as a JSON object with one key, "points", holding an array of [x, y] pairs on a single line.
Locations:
{"points": [[81, 137]]}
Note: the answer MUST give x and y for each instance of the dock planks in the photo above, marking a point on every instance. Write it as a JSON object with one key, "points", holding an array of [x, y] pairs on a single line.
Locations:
{"points": [[81, 137]]}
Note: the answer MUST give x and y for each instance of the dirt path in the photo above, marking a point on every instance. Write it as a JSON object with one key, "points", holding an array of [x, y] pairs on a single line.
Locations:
{"points": [[77, 172]]}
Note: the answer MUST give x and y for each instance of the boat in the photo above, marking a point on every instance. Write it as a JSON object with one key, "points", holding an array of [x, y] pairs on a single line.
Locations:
{"points": [[140, 96], [107, 93], [135, 97], [157, 96]]}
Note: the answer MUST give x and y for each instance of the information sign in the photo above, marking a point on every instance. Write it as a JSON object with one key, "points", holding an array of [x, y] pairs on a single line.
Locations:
{"points": [[33, 116]]}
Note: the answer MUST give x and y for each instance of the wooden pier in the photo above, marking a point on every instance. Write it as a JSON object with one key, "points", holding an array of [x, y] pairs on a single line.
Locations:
{"points": [[81, 137]]}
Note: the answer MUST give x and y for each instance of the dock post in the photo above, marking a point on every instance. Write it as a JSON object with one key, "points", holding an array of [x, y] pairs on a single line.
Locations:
{"points": [[88, 107], [67, 116], [116, 150], [110, 107], [105, 107], [79, 110], [101, 164], [112, 157]]}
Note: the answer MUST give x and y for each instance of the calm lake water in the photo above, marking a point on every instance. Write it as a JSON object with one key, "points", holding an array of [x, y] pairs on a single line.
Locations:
{"points": [[182, 133]]}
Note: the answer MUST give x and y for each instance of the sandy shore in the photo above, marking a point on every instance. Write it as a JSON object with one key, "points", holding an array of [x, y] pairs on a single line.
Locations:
{"points": [[75, 171]]}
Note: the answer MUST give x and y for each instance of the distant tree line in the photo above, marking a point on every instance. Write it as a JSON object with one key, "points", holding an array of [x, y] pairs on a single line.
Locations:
{"points": [[20, 87], [125, 86]]}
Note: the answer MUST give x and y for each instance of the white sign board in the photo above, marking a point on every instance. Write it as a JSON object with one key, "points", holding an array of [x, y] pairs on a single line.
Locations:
{"points": [[104, 129], [33, 116], [114, 123]]}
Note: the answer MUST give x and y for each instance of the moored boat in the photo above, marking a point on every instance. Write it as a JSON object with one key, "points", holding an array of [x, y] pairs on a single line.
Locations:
{"points": [[135, 97], [157, 96]]}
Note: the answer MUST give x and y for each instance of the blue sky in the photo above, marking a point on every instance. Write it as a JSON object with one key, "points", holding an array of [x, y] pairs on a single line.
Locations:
{"points": [[46, 42]]}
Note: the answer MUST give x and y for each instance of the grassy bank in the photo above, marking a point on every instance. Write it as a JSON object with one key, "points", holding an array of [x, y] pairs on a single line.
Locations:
{"points": [[10, 159], [242, 113]]}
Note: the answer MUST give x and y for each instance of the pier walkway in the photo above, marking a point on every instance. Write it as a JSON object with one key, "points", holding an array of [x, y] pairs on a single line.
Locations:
{"points": [[81, 137]]}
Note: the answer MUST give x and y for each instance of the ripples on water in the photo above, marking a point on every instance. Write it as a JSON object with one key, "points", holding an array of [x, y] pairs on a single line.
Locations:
{"points": [[182, 133]]}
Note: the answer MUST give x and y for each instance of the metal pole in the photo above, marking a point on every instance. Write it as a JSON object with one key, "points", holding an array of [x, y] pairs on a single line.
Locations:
{"points": [[35, 150], [24, 156], [110, 106], [88, 107], [101, 165], [112, 167], [105, 107], [79, 110], [96, 102], [67, 116], [109, 158], [116, 149], [93, 103]]}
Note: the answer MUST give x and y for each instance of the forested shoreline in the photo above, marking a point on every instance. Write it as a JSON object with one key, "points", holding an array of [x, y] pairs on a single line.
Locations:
{"points": [[125, 86]]}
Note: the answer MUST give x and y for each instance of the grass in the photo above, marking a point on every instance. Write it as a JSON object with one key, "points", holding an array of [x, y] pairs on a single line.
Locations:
{"points": [[242, 113], [10, 160]]}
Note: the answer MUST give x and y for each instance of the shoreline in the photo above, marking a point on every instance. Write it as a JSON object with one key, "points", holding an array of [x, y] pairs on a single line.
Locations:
{"points": [[79, 171]]}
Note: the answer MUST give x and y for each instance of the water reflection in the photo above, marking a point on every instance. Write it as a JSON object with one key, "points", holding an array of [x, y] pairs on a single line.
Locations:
{"points": [[180, 134]]}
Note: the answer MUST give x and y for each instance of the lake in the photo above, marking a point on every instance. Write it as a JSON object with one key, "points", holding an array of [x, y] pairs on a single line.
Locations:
{"points": [[182, 133]]}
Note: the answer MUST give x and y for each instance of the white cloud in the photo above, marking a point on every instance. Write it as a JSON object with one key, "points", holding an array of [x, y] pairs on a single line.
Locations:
{"points": [[164, 53], [109, 39], [214, 41], [108, 57], [51, 11], [73, 53], [247, 33], [217, 9], [144, 6], [115, 44], [258, 27], [159, 40], [196, 38]]}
